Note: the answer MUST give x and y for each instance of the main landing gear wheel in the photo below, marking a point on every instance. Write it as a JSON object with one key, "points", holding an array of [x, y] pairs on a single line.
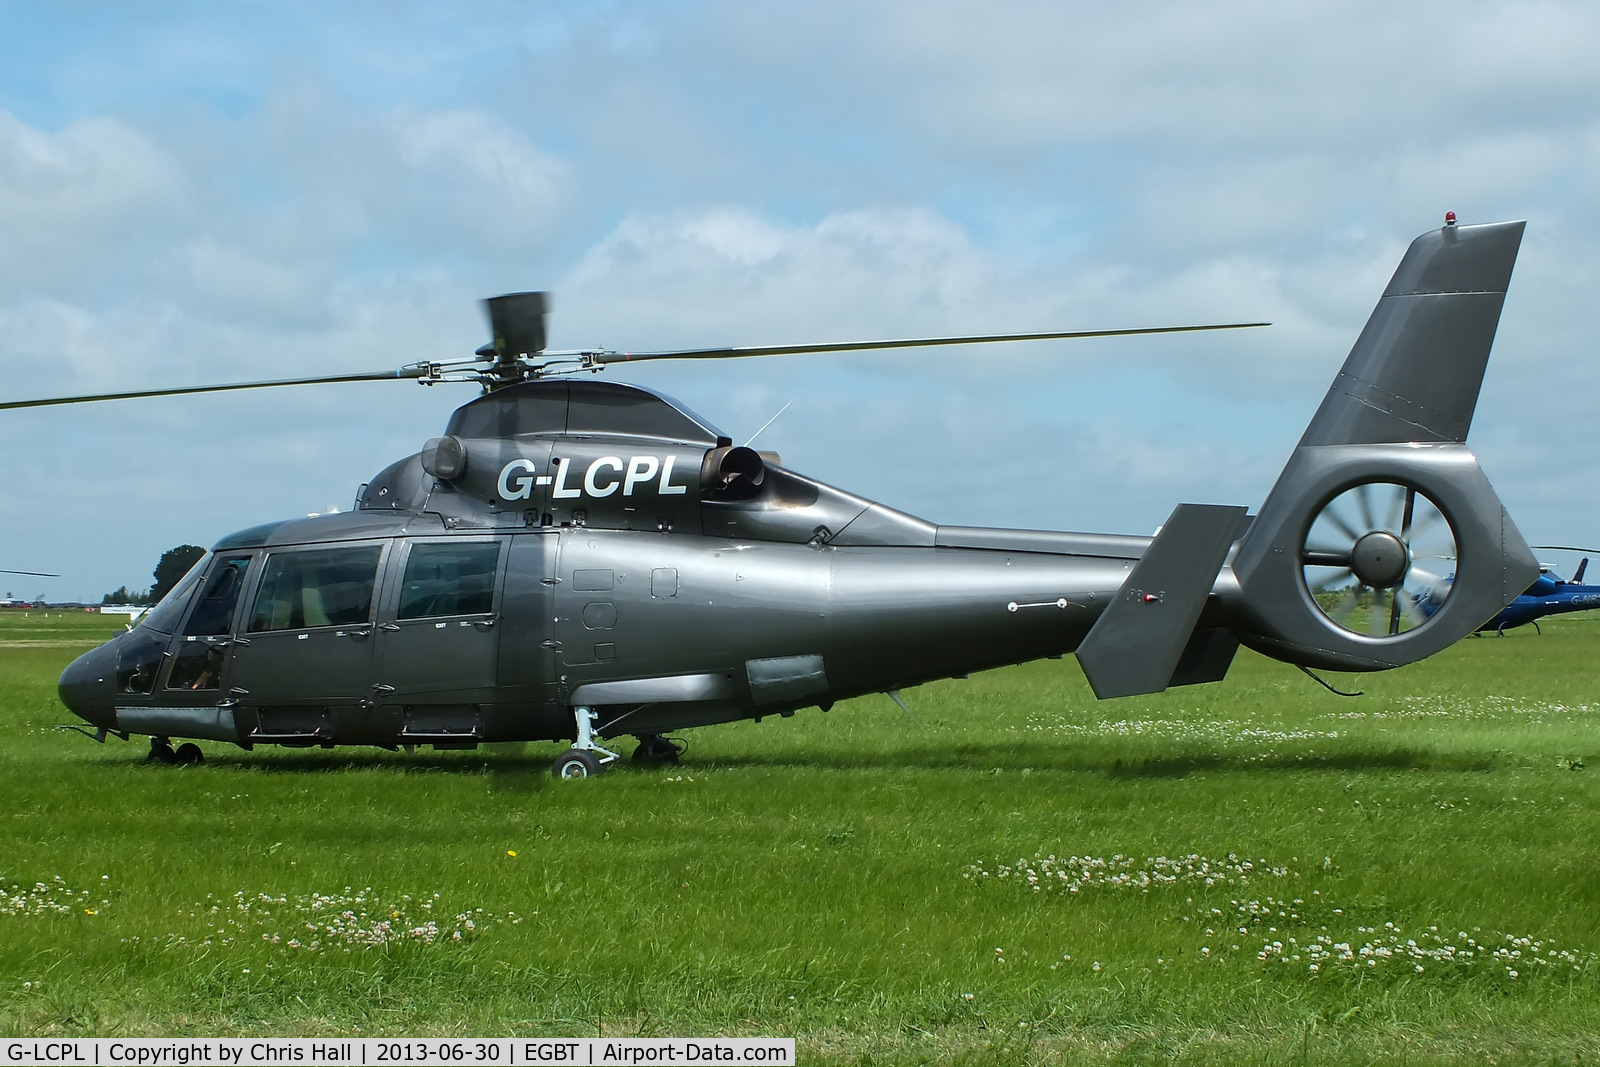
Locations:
{"points": [[575, 763], [585, 758], [161, 752], [655, 750], [189, 752]]}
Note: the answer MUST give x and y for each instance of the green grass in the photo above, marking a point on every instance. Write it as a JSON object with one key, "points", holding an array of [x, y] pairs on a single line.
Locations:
{"points": [[822, 877]]}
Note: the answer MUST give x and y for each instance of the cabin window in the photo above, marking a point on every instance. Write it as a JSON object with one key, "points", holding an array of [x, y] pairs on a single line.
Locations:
{"points": [[213, 615], [449, 579], [317, 587]]}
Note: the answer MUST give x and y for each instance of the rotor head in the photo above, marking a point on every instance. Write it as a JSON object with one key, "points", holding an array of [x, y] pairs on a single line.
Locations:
{"points": [[517, 321]]}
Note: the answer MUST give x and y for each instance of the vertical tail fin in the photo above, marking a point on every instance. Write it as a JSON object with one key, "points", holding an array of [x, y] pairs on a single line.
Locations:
{"points": [[1415, 371], [1326, 578]]}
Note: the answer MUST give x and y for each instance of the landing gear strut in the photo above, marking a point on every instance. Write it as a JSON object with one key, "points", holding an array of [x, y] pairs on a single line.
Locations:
{"points": [[654, 750], [581, 761], [161, 752]]}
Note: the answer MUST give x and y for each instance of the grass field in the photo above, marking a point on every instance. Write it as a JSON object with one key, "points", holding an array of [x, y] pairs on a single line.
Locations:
{"points": [[1251, 871]]}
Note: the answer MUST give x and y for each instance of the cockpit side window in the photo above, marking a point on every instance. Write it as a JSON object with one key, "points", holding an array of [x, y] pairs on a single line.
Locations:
{"points": [[213, 614], [449, 579], [165, 616], [316, 587]]}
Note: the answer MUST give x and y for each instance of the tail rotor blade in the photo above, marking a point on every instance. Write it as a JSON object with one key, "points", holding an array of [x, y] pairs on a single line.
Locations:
{"points": [[1364, 498], [1346, 605], [1378, 618]]}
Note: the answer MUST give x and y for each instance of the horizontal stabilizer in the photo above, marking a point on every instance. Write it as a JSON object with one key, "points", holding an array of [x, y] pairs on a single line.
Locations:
{"points": [[1136, 644]]}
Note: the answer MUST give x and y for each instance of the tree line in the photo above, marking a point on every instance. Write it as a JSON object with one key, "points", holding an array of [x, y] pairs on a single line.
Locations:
{"points": [[173, 565]]}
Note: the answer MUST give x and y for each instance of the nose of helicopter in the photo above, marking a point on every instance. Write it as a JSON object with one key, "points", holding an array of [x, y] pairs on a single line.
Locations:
{"points": [[87, 685]]}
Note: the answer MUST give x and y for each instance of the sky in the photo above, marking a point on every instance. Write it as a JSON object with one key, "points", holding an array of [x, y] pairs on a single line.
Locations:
{"points": [[196, 192]]}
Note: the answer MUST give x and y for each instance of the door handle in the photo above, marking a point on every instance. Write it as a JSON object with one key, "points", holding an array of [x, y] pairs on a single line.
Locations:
{"points": [[486, 624], [242, 642], [379, 687], [389, 627], [357, 635], [238, 692]]}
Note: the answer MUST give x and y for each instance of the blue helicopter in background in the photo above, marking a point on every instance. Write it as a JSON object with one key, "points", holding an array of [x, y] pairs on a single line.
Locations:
{"points": [[1550, 594]]}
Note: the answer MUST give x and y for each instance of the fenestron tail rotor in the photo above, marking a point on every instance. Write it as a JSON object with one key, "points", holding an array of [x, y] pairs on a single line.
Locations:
{"points": [[1372, 552]]}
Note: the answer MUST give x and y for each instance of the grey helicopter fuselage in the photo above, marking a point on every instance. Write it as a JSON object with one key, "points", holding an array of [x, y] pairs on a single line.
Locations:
{"points": [[576, 558], [638, 572]]}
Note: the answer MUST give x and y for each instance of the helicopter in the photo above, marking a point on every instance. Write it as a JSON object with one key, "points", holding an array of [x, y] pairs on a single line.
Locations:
{"points": [[8, 602], [1550, 594], [578, 560]]}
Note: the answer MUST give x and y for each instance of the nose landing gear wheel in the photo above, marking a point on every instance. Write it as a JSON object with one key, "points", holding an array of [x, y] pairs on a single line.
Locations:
{"points": [[161, 752]]}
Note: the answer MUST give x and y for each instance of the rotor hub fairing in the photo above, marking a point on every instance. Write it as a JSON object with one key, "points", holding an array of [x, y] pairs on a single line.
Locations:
{"points": [[1373, 553], [1380, 559]]}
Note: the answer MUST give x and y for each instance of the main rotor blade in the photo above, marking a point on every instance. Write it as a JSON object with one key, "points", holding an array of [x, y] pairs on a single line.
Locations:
{"points": [[36, 574], [376, 376], [911, 342]]}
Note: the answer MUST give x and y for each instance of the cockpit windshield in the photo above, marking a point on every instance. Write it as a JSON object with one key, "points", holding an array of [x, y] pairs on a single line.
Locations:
{"points": [[164, 617]]}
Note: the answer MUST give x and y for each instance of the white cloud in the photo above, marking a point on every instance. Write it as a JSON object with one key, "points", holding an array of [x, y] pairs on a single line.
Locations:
{"points": [[69, 201], [730, 173], [755, 280]]}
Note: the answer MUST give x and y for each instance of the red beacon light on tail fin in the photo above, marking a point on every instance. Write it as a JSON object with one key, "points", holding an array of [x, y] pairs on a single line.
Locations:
{"points": [[1449, 218]]}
